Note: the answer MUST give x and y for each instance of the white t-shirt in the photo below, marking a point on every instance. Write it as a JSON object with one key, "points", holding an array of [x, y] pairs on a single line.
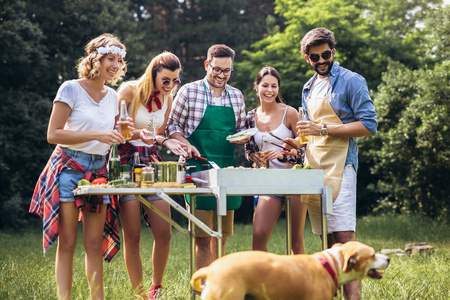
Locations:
{"points": [[216, 101], [320, 88], [88, 115], [144, 119]]}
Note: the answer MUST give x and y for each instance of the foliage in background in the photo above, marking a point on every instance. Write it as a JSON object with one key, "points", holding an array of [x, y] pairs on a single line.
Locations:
{"points": [[409, 157], [189, 28], [24, 108], [42, 41], [410, 153], [370, 35]]}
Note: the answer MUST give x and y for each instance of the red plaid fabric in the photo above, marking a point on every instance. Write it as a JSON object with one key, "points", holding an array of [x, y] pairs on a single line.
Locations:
{"points": [[45, 203], [146, 156]]}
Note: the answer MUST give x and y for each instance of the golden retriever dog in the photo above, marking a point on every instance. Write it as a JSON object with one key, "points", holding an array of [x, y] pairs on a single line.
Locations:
{"points": [[262, 275]]}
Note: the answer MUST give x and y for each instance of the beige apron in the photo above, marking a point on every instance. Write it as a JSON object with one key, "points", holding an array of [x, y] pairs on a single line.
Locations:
{"points": [[328, 153]]}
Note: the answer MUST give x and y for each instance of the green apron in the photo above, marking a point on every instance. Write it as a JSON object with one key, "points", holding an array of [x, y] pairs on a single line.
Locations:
{"points": [[209, 138]]}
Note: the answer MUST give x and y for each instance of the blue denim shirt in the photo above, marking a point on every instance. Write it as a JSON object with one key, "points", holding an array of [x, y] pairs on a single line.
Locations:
{"points": [[349, 97]]}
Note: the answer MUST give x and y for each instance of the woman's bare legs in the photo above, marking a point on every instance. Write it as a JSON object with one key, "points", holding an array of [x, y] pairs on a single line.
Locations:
{"points": [[266, 215], [298, 217], [130, 218], [67, 240], [162, 234], [93, 225]]}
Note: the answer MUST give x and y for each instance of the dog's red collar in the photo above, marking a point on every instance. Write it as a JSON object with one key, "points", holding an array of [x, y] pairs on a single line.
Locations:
{"points": [[327, 266]]}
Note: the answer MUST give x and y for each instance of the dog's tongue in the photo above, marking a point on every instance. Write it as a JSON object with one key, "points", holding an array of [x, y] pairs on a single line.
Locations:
{"points": [[374, 274]]}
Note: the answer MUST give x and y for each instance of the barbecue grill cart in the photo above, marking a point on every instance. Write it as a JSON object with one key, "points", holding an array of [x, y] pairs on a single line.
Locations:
{"points": [[232, 182]]}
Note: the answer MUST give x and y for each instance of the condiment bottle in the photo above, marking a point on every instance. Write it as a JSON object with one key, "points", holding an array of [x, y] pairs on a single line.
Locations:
{"points": [[125, 172], [137, 176], [114, 164], [123, 129], [137, 169], [147, 177]]}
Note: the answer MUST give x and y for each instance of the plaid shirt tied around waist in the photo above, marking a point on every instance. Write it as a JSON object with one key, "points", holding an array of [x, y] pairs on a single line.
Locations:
{"points": [[45, 203]]}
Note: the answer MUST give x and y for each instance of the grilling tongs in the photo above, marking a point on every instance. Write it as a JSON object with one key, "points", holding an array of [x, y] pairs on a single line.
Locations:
{"points": [[293, 146]]}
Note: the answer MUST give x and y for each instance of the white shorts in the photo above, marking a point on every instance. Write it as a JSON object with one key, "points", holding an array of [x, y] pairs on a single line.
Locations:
{"points": [[343, 217]]}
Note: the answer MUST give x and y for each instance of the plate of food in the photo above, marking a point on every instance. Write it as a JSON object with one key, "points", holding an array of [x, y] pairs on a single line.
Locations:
{"points": [[242, 134]]}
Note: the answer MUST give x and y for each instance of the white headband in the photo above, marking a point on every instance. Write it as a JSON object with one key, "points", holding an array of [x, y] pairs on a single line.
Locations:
{"points": [[112, 50]]}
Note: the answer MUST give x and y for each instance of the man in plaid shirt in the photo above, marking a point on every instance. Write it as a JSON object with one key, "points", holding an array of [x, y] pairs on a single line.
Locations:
{"points": [[203, 114]]}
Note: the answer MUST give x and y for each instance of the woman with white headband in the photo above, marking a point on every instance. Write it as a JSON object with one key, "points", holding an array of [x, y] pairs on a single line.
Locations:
{"points": [[85, 112]]}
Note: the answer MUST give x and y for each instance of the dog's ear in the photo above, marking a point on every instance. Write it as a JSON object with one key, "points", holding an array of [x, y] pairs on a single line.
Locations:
{"points": [[349, 263], [337, 245]]}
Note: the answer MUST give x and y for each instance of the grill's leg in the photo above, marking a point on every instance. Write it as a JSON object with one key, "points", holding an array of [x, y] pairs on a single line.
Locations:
{"points": [[288, 226], [219, 238], [192, 244], [324, 223]]}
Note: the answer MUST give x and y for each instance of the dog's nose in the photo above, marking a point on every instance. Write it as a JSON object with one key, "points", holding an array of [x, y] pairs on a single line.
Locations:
{"points": [[388, 260]]}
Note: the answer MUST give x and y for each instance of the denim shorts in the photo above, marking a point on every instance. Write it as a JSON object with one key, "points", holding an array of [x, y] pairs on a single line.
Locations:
{"points": [[256, 199], [68, 179]]}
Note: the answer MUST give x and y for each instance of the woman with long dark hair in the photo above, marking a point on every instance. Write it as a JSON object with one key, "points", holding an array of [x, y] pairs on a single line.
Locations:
{"points": [[273, 117]]}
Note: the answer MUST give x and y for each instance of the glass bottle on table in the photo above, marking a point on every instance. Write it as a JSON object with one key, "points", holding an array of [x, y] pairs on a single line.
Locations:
{"points": [[124, 129], [147, 177], [114, 164], [302, 116], [265, 164]]}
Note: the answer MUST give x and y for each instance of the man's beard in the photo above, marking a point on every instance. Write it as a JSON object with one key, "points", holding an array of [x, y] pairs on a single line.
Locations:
{"points": [[327, 71]]}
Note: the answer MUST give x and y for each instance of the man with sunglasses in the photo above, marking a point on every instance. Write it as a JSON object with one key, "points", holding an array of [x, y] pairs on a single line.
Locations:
{"points": [[203, 114], [339, 109]]}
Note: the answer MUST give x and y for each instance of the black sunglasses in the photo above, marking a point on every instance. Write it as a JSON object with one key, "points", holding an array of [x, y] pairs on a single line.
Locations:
{"points": [[325, 55], [166, 82]]}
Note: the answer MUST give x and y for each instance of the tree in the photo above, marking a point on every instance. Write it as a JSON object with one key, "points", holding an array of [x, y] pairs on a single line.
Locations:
{"points": [[410, 154], [188, 28], [43, 40], [368, 34], [409, 157], [41, 43]]}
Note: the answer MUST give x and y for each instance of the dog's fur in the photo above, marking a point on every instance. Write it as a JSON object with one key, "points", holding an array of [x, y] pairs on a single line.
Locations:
{"points": [[261, 275]]}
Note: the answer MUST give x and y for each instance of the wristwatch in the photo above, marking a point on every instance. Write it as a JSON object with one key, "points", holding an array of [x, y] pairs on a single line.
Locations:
{"points": [[323, 131]]}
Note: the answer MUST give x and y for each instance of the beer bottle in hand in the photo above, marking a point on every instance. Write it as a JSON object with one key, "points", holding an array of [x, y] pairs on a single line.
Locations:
{"points": [[123, 129]]}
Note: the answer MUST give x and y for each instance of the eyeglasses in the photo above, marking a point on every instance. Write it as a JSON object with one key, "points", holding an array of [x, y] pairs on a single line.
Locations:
{"points": [[166, 82], [325, 55], [217, 70]]}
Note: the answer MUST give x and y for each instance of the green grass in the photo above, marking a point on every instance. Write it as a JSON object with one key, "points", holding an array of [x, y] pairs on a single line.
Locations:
{"points": [[25, 274]]}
